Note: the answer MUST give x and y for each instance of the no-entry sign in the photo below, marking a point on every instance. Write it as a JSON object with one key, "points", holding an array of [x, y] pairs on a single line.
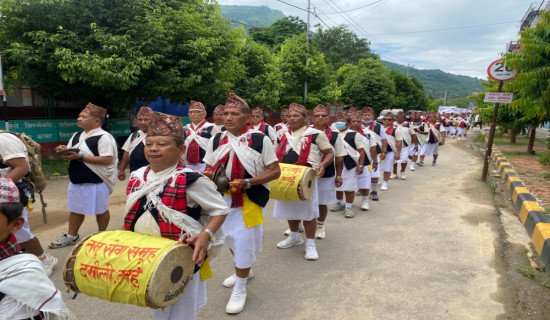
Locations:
{"points": [[498, 71], [499, 97]]}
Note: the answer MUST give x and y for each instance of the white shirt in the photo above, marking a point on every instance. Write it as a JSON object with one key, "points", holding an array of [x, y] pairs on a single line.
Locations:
{"points": [[126, 146], [11, 147]]}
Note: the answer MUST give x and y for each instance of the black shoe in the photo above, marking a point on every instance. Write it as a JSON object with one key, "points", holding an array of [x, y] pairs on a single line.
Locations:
{"points": [[374, 195]]}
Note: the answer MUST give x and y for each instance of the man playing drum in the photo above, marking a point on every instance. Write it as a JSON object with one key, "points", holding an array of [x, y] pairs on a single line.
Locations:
{"points": [[326, 185], [92, 173], [259, 124], [197, 135], [302, 146], [133, 147], [165, 198], [251, 163]]}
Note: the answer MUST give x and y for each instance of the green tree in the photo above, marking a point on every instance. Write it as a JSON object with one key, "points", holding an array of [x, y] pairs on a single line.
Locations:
{"points": [[113, 52], [341, 46], [278, 32], [531, 86], [292, 63], [261, 82], [367, 84], [407, 95]]}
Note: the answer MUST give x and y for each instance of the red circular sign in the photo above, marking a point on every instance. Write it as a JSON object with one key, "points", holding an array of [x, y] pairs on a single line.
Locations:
{"points": [[498, 71]]}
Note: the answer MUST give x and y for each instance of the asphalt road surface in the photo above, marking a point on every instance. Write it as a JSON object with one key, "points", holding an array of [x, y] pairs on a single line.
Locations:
{"points": [[424, 251]]}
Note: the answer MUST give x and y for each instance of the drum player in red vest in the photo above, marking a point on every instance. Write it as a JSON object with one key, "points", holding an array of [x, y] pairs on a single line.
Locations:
{"points": [[250, 163], [304, 146], [165, 198]]}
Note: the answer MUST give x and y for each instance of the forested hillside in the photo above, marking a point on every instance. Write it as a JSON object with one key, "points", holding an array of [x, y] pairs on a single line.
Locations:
{"points": [[251, 16], [436, 82]]}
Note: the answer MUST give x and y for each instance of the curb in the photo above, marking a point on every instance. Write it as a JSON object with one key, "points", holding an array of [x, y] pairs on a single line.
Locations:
{"points": [[533, 216]]}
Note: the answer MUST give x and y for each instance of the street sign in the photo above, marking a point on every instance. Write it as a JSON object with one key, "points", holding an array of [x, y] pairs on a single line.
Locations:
{"points": [[498, 97], [498, 71]]}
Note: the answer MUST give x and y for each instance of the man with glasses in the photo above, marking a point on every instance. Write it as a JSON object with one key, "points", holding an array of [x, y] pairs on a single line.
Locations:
{"points": [[197, 135], [379, 135], [393, 152], [304, 146], [259, 124]]}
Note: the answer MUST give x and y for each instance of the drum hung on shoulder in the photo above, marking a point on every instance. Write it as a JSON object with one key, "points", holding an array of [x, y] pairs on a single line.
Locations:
{"points": [[294, 183], [131, 268]]}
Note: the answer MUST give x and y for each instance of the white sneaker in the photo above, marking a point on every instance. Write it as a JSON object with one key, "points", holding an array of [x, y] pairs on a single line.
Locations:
{"points": [[320, 232], [290, 242], [365, 206], [236, 302], [49, 264], [393, 176], [384, 186], [412, 168], [337, 207], [64, 241], [300, 229], [402, 175], [232, 279], [349, 213], [311, 252]]}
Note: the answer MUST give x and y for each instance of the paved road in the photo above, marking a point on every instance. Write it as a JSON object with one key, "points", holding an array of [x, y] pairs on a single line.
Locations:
{"points": [[425, 251]]}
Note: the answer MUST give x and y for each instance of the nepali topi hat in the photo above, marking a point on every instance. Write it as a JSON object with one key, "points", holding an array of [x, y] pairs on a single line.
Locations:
{"points": [[167, 125]]}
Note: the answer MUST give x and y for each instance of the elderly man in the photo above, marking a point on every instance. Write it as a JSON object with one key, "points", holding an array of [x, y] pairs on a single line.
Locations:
{"points": [[395, 144], [217, 116], [133, 147], [259, 124], [430, 135], [281, 127], [379, 135], [197, 134], [409, 139], [165, 198], [250, 162], [354, 163], [327, 184], [92, 173], [303, 146]]}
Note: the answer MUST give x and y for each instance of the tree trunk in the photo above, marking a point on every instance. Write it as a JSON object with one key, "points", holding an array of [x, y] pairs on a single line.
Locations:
{"points": [[512, 136], [531, 140]]}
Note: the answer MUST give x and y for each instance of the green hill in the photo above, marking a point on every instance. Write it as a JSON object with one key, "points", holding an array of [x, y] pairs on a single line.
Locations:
{"points": [[251, 16], [436, 82]]}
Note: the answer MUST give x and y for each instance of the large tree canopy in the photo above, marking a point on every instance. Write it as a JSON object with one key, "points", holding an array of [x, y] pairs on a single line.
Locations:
{"points": [[116, 51], [279, 31], [367, 84], [341, 46]]}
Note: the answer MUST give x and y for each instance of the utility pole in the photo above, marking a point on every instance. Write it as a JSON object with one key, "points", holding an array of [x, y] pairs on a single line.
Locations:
{"points": [[307, 46], [445, 97]]}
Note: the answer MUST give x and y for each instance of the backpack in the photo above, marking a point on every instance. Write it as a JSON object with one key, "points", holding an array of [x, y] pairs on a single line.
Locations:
{"points": [[36, 175]]}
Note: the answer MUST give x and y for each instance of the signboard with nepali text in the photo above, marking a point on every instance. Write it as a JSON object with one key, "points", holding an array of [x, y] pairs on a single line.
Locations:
{"points": [[498, 97]]}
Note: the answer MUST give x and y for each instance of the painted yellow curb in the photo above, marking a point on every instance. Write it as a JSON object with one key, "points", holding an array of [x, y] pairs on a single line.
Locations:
{"points": [[505, 171], [503, 163], [510, 180], [517, 191], [527, 206], [540, 234]]}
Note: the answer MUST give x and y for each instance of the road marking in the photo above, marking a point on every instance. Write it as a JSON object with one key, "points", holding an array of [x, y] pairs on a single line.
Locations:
{"points": [[486, 240]]}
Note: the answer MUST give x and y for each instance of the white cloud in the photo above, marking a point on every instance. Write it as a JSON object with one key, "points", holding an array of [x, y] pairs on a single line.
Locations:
{"points": [[467, 51]]}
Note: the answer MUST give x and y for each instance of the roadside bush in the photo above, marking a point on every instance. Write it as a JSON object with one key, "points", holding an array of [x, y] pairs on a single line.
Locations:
{"points": [[480, 138], [544, 158]]}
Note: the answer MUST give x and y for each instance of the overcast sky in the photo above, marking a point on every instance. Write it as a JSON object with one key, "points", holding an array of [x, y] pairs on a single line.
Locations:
{"points": [[410, 32]]}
